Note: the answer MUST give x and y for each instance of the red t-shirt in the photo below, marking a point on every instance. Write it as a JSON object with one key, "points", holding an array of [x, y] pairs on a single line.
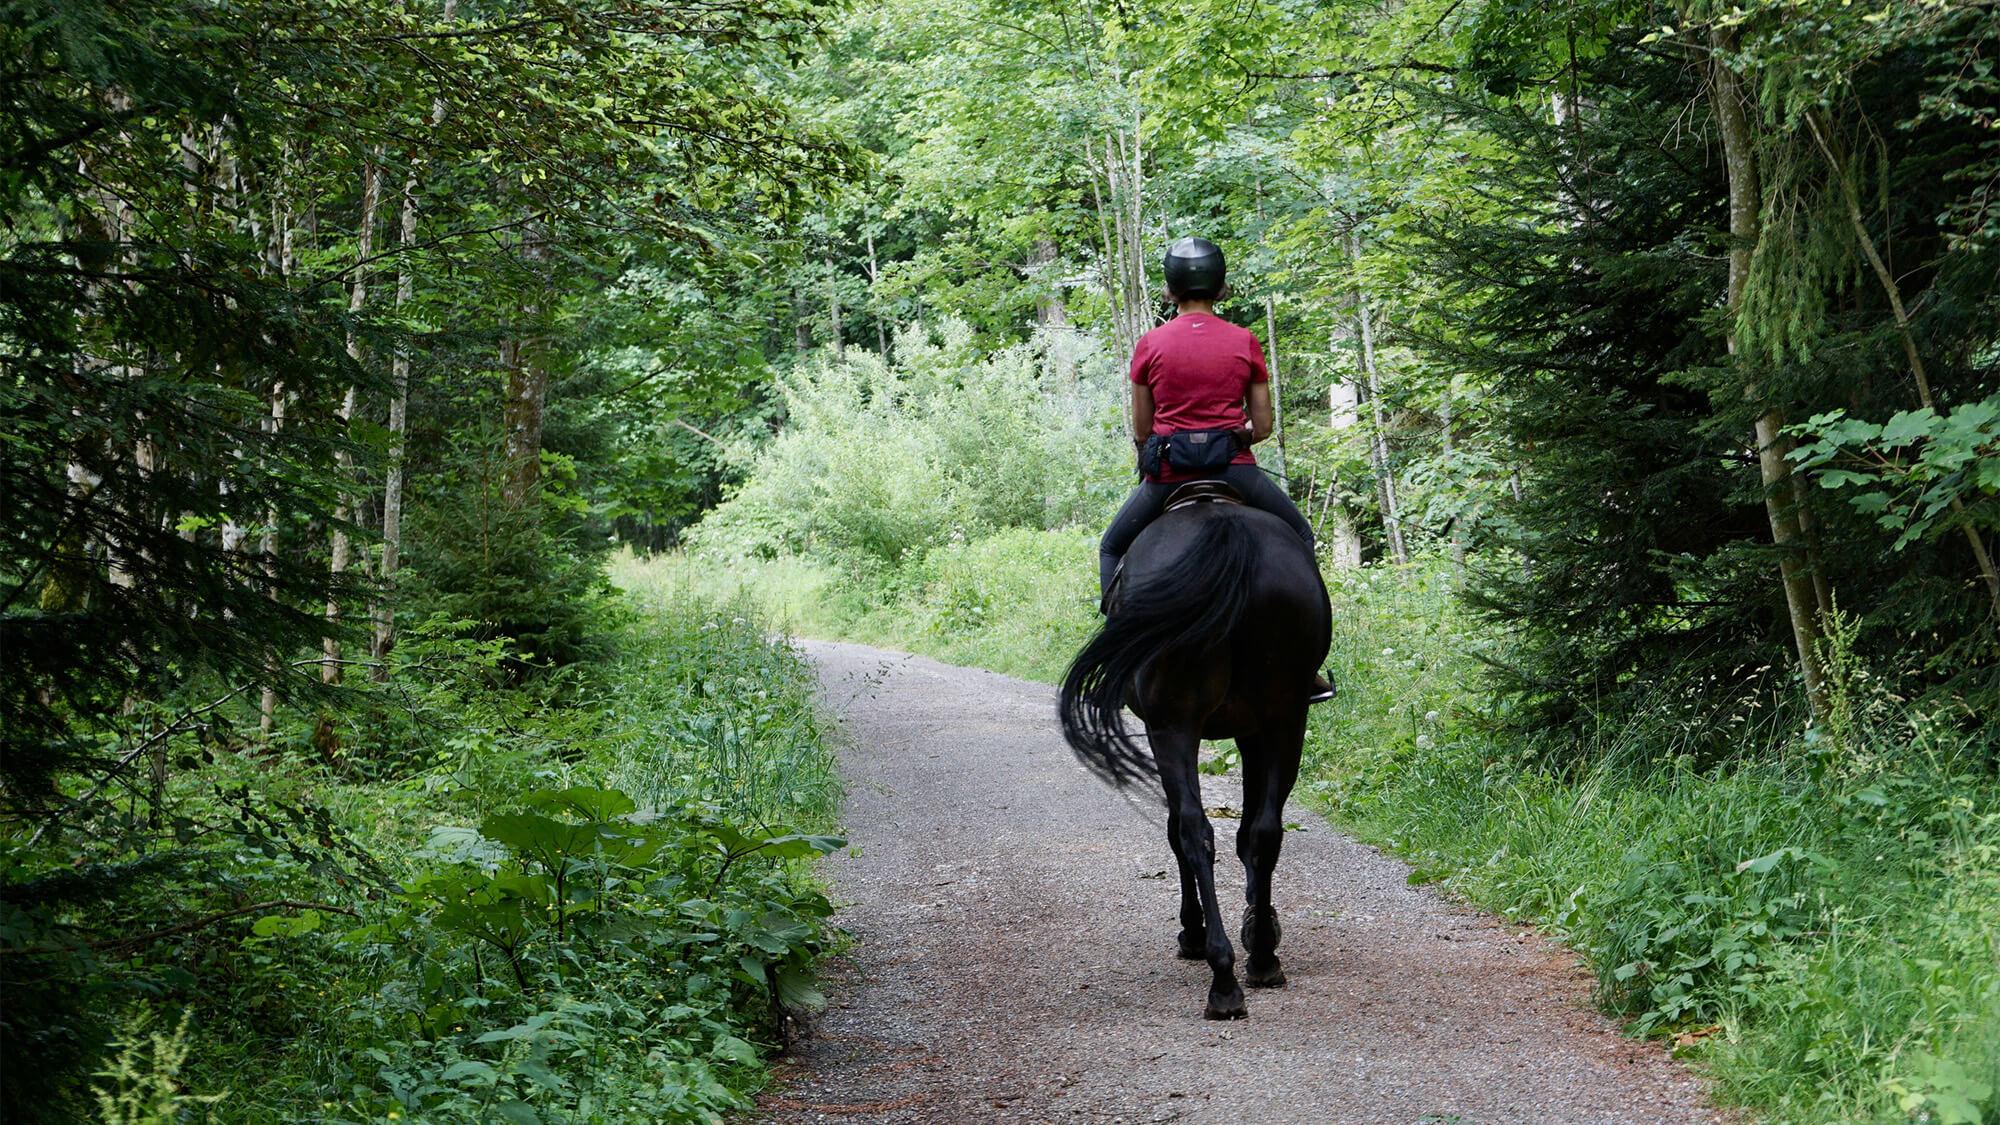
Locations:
{"points": [[1200, 368]]}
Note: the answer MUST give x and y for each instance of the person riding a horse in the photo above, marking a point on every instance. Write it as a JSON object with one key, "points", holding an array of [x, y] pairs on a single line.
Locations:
{"points": [[1201, 397]]}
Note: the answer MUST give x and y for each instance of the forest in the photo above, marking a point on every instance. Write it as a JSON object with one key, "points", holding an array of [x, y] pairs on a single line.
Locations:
{"points": [[422, 422]]}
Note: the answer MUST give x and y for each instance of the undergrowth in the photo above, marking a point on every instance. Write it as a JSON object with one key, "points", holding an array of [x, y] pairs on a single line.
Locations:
{"points": [[587, 899]]}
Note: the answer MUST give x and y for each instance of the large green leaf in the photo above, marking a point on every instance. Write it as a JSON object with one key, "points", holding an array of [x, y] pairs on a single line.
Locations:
{"points": [[583, 801]]}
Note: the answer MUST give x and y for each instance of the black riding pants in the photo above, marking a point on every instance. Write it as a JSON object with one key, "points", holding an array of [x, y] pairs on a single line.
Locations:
{"points": [[1150, 498]]}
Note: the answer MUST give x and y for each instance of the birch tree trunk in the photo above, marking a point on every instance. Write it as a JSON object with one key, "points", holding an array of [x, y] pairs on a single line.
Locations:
{"points": [[1520, 494], [1343, 401], [874, 311], [1344, 537], [527, 388], [1051, 314], [802, 335], [280, 252], [1781, 499], [1378, 446], [1277, 396], [1118, 186], [357, 300], [399, 415], [114, 217], [399, 412], [1457, 532]]}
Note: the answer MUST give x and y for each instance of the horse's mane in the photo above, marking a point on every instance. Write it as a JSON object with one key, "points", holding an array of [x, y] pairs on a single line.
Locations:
{"points": [[1181, 611]]}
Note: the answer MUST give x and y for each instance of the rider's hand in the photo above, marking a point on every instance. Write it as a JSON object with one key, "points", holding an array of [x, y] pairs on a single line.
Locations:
{"points": [[1244, 436]]}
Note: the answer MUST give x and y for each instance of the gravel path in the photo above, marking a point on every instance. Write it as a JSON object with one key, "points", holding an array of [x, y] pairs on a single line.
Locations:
{"points": [[1014, 923]]}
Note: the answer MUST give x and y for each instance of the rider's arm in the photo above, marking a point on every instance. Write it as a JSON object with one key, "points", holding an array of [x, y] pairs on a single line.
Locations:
{"points": [[1142, 413], [1259, 407]]}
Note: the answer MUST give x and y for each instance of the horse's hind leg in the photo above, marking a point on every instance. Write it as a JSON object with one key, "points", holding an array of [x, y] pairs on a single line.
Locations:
{"points": [[1192, 943], [1194, 845], [1270, 768]]}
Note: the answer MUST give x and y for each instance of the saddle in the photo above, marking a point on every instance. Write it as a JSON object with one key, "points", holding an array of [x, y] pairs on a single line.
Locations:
{"points": [[1201, 492], [1187, 495]]}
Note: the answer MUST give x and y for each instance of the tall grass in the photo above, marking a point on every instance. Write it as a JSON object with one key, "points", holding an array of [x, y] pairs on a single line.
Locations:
{"points": [[706, 707], [1817, 920]]}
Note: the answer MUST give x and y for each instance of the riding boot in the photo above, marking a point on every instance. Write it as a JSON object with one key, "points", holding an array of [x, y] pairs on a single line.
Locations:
{"points": [[1322, 689], [1107, 573]]}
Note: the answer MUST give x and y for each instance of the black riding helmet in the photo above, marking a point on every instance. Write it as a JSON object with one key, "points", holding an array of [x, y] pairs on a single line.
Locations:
{"points": [[1195, 269]]}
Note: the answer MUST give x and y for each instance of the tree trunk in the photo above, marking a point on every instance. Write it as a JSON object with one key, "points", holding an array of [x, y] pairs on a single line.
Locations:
{"points": [[875, 313], [1118, 186], [1457, 532], [1345, 538], [280, 253], [833, 312], [1343, 401], [399, 414], [527, 400], [357, 300], [399, 411], [109, 224], [527, 388], [1520, 494], [1781, 499], [1277, 396], [267, 546], [1051, 314], [1378, 446]]}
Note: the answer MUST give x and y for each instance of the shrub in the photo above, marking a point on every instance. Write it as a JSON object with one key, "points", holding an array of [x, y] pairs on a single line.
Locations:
{"points": [[879, 464]]}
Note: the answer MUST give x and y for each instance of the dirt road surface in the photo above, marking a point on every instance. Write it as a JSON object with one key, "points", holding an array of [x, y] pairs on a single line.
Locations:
{"points": [[1014, 959]]}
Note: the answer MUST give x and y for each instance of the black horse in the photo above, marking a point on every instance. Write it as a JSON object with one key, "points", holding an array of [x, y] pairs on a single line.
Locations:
{"points": [[1215, 629]]}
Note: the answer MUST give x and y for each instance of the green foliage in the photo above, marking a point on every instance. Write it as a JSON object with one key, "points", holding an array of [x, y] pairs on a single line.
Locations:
{"points": [[879, 464], [468, 922], [582, 896], [235, 238], [1909, 471], [512, 574]]}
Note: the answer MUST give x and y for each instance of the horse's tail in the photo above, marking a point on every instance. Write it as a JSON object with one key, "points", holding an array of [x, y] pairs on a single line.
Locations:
{"points": [[1191, 606]]}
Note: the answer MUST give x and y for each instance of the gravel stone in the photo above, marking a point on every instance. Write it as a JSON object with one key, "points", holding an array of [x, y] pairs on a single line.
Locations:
{"points": [[1014, 925]]}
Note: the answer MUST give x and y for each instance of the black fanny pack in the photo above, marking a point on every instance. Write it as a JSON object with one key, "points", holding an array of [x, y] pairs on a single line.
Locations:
{"points": [[1188, 451]]}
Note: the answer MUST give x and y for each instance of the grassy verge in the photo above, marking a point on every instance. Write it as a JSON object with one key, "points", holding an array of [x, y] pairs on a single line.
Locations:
{"points": [[590, 901], [1813, 922], [1019, 602]]}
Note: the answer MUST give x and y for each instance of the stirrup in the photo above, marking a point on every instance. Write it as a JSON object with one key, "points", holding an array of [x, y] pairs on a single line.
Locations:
{"points": [[1321, 695]]}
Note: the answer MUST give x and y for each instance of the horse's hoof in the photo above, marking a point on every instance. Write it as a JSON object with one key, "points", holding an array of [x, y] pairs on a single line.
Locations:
{"points": [[1273, 977], [1230, 1007], [1192, 947], [1274, 932]]}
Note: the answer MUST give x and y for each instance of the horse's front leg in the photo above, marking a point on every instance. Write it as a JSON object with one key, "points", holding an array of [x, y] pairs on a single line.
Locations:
{"points": [[1194, 843], [1270, 769]]}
